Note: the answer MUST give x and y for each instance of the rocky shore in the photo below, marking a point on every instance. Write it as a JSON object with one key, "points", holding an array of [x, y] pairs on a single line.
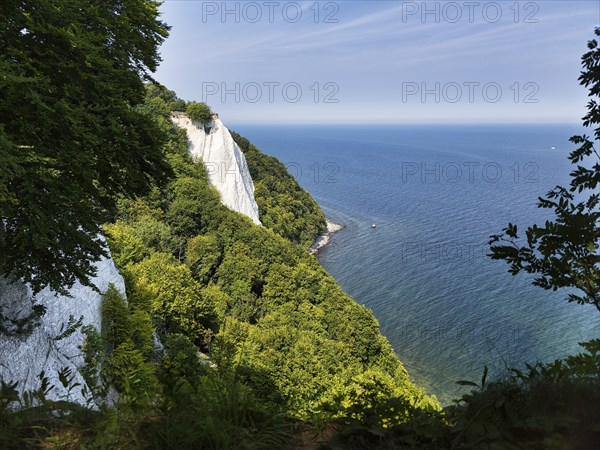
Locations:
{"points": [[324, 238]]}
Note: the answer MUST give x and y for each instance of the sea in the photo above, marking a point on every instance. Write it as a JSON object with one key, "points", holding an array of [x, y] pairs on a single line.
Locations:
{"points": [[418, 204]]}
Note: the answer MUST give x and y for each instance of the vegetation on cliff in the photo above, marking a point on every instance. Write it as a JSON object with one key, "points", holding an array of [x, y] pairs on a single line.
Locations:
{"points": [[284, 206], [232, 336], [71, 137], [210, 274], [256, 336]]}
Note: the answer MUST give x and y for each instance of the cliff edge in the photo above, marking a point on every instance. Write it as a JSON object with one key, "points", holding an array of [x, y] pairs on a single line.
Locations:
{"points": [[225, 163], [47, 347]]}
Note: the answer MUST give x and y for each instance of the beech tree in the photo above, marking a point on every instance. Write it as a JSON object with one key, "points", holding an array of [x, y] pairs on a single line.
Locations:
{"points": [[71, 138], [565, 251], [199, 112]]}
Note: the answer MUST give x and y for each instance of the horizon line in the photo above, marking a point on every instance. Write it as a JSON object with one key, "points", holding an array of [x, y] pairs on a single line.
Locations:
{"points": [[352, 123]]}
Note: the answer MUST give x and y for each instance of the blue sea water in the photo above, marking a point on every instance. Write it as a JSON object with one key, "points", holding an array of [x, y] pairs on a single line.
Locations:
{"points": [[436, 194]]}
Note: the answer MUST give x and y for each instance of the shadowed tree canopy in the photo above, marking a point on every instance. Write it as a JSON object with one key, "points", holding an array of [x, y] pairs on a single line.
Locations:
{"points": [[71, 137], [565, 252]]}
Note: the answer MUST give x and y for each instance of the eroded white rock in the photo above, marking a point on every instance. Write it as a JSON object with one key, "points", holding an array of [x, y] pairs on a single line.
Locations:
{"points": [[22, 358], [225, 163]]}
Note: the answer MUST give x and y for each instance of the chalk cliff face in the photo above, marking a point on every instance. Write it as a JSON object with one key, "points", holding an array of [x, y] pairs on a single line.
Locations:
{"points": [[225, 163], [22, 358]]}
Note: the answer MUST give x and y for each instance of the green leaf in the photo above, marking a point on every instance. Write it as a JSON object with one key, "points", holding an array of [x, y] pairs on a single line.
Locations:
{"points": [[467, 383], [483, 378]]}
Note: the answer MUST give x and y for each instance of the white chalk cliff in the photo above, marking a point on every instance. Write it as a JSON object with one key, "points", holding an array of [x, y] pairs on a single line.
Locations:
{"points": [[22, 358], [225, 163]]}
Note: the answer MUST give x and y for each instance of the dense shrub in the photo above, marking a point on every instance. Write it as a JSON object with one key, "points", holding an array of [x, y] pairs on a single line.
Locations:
{"points": [[199, 112], [284, 206], [175, 298], [296, 337]]}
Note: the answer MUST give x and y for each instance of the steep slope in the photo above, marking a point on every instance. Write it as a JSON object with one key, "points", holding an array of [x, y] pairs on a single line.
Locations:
{"points": [[24, 357], [248, 294], [284, 206], [225, 163]]}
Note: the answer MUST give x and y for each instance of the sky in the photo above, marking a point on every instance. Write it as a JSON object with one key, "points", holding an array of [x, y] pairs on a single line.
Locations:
{"points": [[389, 61]]}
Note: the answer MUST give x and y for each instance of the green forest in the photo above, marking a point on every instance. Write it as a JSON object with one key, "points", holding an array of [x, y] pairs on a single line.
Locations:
{"points": [[231, 335]]}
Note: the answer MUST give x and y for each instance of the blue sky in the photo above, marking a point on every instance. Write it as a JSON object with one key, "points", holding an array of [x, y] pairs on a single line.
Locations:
{"points": [[380, 61]]}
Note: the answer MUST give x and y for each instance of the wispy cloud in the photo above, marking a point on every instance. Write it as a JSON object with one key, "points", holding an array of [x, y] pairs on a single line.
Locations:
{"points": [[371, 48]]}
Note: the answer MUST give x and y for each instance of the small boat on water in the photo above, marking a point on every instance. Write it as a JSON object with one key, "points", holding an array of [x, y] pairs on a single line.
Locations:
{"points": [[374, 225]]}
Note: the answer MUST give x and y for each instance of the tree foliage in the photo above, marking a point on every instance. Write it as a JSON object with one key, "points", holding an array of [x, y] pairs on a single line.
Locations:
{"points": [[297, 339], [283, 341], [284, 206], [565, 252], [71, 137], [199, 112], [176, 299]]}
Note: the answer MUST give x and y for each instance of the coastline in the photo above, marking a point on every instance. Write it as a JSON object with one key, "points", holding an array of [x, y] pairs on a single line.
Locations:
{"points": [[324, 239]]}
